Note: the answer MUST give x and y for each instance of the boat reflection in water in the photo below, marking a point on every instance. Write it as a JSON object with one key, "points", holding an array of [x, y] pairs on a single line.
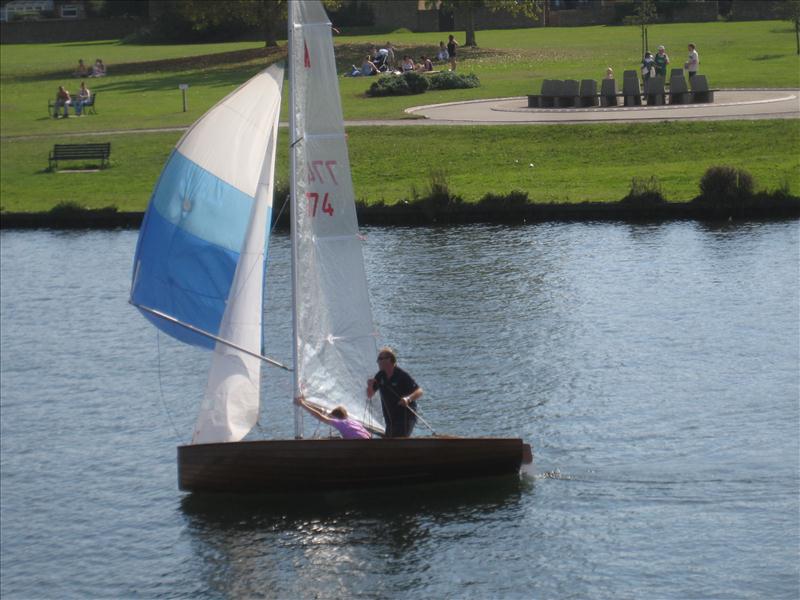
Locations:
{"points": [[339, 543]]}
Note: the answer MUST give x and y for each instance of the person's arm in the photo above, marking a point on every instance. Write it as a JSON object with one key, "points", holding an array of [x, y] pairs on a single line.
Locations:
{"points": [[300, 401], [371, 387], [412, 397]]}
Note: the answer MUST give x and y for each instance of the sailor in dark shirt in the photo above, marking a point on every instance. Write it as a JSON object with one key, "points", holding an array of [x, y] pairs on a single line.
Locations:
{"points": [[399, 395]]}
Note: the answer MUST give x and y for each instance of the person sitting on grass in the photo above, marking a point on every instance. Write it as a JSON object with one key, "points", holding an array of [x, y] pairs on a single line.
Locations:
{"points": [[349, 429], [81, 70], [442, 55], [425, 64], [99, 69], [367, 69]]}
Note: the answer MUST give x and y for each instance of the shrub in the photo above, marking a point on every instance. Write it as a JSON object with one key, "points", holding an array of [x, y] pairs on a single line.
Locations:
{"points": [[514, 198], [67, 208], [726, 185], [398, 85], [70, 208], [416, 83], [439, 199], [644, 192], [447, 80]]}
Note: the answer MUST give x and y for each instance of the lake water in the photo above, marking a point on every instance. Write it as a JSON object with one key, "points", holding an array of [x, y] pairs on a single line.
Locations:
{"points": [[654, 368]]}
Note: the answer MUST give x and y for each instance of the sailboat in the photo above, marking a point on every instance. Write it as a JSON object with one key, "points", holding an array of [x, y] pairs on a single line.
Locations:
{"points": [[198, 276]]}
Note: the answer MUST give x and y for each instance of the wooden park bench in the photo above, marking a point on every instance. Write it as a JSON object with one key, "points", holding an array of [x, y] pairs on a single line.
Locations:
{"points": [[88, 107], [80, 152]]}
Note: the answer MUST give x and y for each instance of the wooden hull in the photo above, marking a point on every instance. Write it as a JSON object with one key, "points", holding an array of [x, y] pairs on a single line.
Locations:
{"points": [[317, 465]]}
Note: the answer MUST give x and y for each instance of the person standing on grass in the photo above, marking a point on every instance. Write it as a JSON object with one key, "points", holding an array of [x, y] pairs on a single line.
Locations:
{"points": [[662, 60], [648, 67], [693, 62], [452, 44]]}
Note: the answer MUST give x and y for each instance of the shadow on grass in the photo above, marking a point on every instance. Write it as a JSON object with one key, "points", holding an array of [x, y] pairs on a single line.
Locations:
{"points": [[187, 63], [162, 81], [767, 57]]}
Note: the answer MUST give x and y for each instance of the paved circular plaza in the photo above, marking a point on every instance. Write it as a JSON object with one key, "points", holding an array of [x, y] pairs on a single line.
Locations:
{"points": [[728, 104]]}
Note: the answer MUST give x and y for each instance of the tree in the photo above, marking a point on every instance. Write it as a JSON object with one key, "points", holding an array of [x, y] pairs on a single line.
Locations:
{"points": [[231, 16], [644, 14], [467, 8], [790, 11]]}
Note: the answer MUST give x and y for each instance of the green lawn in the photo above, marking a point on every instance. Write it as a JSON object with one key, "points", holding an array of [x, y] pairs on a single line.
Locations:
{"points": [[551, 163], [570, 162]]}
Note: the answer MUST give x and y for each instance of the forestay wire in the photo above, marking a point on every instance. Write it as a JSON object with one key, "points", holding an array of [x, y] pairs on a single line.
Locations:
{"points": [[161, 389]]}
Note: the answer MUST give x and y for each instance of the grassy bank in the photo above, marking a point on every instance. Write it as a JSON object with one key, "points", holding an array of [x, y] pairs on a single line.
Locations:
{"points": [[550, 163], [569, 163]]}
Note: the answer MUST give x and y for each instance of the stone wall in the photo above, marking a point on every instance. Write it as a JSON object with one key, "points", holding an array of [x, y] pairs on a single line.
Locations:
{"points": [[694, 12], [397, 14], [597, 14], [486, 19], [57, 30], [753, 10], [394, 14], [407, 13]]}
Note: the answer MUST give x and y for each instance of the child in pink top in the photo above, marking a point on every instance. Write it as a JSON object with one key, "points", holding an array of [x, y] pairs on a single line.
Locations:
{"points": [[350, 429]]}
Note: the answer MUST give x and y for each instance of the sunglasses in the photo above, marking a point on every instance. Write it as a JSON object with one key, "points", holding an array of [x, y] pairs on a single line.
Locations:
{"points": [[380, 358]]}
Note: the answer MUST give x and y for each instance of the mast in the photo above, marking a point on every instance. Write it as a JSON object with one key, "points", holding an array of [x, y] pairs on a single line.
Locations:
{"points": [[298, 418]]}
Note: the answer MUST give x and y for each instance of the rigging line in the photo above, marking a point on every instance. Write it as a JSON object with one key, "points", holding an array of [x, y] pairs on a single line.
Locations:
{"points": [[280, 212], [161, 389], [424, 422], [411, 410], [216, 338]]}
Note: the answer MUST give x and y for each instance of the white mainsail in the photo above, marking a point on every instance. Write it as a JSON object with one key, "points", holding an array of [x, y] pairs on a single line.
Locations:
{"points": [[335, 337], [231, 403]]}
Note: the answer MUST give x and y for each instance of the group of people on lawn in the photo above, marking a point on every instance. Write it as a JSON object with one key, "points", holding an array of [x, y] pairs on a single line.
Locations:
{"points": [[64, 100], [98, 69], [383, 61], [656, 65], [84, 96]]}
